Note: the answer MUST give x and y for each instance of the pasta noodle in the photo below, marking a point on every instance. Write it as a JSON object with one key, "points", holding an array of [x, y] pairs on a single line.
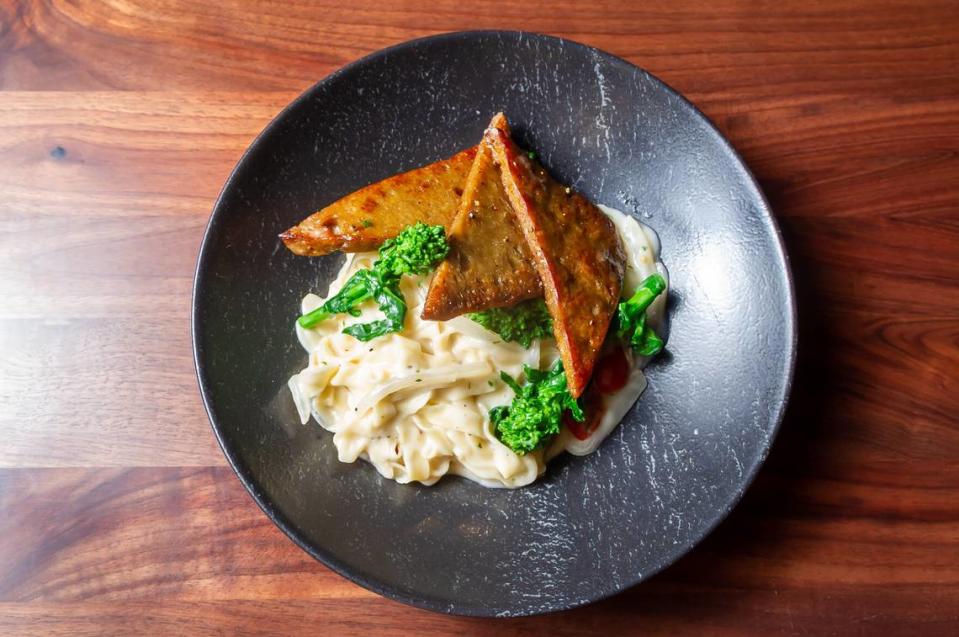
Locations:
{"points": [[415, 404]]}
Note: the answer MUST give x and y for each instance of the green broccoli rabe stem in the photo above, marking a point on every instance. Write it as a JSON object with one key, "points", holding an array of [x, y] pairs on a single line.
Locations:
{"points": [[350, 296], [415, 250], [646, 293], [647, 343], [631, 324], [313, 318]]}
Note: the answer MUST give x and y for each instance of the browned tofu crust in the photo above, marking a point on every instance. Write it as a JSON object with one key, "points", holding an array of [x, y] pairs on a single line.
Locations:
{"points": [[364, 219], [489, 264], [576, 250]]}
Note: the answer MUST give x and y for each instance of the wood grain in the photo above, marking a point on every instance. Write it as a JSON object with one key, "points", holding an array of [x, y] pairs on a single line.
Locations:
{"points": [[96, 335], [119, 121], [143, 549]]}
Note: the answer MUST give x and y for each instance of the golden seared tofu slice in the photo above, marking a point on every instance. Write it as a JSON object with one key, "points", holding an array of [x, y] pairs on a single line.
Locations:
{"points": [[364, 219], [577, 253], [489, 264]]}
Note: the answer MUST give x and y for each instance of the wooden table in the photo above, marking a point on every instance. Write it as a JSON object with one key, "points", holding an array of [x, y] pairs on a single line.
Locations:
{"points": [[119, 122]]}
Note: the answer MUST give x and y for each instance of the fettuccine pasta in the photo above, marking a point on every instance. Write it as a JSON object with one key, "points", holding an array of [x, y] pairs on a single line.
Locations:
{"points": [[415, 404]]}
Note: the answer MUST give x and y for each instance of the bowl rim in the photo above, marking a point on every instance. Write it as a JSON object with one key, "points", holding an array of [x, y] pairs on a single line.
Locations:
{"points": [[368, 581]]}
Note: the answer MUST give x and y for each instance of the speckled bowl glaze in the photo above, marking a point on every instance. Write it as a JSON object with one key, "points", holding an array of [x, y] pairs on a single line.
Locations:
{"points": [[591, 526]]}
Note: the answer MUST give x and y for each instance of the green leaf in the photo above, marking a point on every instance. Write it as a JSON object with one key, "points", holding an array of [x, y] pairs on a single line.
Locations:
{"points": [[347, 300], [393, 306], [649, 344], [415, 250]]}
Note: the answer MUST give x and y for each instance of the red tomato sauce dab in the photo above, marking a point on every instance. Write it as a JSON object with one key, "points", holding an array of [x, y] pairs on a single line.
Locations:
{"points": [[612, 372]]}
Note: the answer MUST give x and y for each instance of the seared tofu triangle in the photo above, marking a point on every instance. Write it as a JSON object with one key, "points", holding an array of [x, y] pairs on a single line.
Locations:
{"points": [[577, 253], [364, 219], [489, 264]]}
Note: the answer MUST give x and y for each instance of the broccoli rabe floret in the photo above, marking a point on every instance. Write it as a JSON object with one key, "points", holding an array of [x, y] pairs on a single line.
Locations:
{"points": [[415, 250], [522, 323], [537, 409]]}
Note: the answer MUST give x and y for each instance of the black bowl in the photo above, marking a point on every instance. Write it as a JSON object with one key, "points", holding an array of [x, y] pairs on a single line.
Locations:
{"points": [[591, 526]]}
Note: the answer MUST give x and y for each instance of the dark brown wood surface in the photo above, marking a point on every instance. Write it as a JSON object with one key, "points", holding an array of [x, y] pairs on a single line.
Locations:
{"points": [[119, 122]]}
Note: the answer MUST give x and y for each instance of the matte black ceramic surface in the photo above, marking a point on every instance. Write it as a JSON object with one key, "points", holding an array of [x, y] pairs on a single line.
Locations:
{"points": [[592, 526]]}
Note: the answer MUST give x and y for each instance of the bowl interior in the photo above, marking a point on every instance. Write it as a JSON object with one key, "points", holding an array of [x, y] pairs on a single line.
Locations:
{"points": [[594, 525]]}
